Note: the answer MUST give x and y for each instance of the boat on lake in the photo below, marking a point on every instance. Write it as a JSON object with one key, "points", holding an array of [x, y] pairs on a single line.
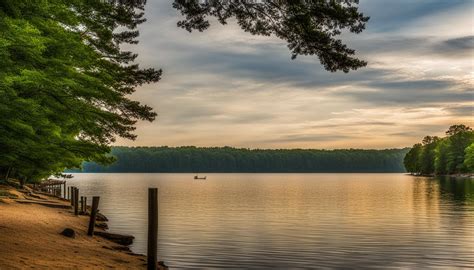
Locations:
{"points": [[200, 178]]}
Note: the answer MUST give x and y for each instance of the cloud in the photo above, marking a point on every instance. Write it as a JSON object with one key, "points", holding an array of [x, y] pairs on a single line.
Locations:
{"points": [[465, 110], [226, 87], [459, 47]]}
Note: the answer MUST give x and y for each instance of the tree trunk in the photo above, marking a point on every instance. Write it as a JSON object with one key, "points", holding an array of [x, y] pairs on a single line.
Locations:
{"points": [[8, 173]]}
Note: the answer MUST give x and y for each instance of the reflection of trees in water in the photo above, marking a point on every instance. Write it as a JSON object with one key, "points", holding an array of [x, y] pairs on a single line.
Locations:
{"points": [[456, 189], [426, 201], [446, 201]]}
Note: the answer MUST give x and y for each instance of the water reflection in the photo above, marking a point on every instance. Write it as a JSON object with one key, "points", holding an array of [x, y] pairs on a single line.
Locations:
{"points": [[457, 189], [295, 220]]}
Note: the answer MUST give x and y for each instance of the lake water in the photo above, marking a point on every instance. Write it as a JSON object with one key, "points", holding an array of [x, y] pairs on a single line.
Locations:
{"points": [[294, 221]]}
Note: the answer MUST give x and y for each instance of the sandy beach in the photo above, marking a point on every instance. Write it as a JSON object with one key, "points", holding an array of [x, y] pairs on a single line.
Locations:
{"points": [[30, 238]]}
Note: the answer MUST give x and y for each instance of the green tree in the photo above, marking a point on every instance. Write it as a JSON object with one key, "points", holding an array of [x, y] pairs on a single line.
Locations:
{"points": [[441, 156], [227, 159], [469, 158], [412, 159], [427, 155], [65, 82], [461, 137], [455, 129]]}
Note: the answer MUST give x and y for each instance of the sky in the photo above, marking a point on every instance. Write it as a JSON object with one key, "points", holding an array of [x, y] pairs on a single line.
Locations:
{"points": [[225, 87]]}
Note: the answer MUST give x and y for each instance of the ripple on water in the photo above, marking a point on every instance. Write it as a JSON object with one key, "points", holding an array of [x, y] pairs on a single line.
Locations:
{"points": [[298, 221]]}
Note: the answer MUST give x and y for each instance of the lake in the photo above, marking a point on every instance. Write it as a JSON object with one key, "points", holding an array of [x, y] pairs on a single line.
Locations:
{"points": [[297, 221]]}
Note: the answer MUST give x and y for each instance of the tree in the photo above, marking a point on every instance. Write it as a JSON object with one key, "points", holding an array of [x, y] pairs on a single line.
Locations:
{"points": [[309, 27], [455, 129], [461, 137], [441, 156], [469, 158], [412, 159], [427, 155], [227, 159], [65, 82]]}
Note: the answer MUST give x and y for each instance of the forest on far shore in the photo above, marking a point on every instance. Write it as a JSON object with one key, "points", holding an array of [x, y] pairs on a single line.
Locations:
{"points": [[227, 159]]}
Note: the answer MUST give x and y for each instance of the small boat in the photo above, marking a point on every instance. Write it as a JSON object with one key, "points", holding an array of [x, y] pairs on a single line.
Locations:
{"points": [[200, 178]]}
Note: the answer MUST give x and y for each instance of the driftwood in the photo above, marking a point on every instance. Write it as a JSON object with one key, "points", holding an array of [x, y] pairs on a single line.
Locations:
{"points": [[124, 240], [102, 225], [101, 217]]}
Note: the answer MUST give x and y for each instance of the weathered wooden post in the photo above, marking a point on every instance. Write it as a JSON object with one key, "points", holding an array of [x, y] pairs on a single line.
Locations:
{"points": [[152, 250], [68, 196], [64, 189], [72, 196], [95, 205], [82, 204], [76, 201], [85, 205]]}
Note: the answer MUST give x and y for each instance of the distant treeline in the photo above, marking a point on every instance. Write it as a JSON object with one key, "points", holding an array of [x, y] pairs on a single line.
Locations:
{"points": [[227, 159], [453, 154]]}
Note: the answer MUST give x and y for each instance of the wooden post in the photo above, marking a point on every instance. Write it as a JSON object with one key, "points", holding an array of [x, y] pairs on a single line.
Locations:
{"points": [[95, 205], [152, 250], [82, 204], [76, 201], [64, 190], [72, 196], [68, 196], [85, 205]]}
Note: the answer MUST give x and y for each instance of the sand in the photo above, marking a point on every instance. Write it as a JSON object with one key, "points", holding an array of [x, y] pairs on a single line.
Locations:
{"points": [[30, 239]]}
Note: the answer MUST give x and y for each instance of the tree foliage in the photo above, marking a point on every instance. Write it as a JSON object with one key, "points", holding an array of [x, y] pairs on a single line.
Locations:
{"points": [[469, 158], [65, 82], [308, 27], [227, 159], [411, 160], [452, 154]]}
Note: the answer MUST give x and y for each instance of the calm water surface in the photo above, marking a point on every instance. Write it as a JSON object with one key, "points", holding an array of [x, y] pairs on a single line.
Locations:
{"points": [[294, 221]]}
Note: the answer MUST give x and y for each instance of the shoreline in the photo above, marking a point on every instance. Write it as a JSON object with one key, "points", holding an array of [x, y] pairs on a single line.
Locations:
{"points": [[459, 175], [30, 236]]}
